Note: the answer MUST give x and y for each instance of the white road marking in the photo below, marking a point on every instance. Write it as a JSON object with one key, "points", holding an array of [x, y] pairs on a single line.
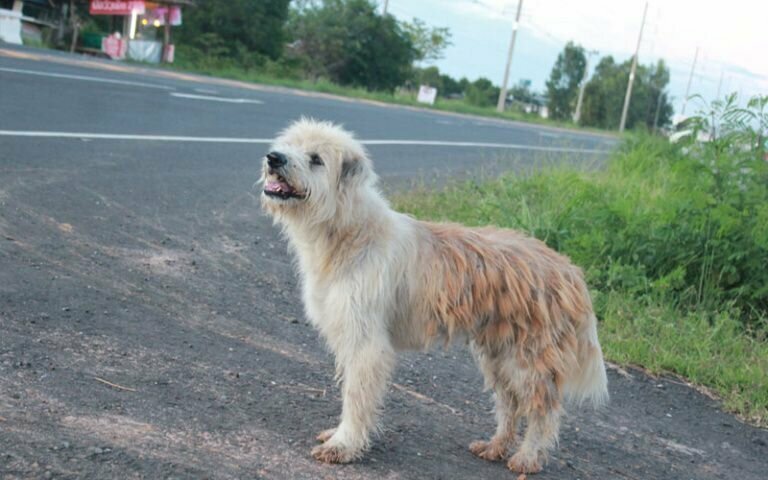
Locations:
{"points": [[215, 99], [507, 146], [120, 136], [209, 91], [85, 78], [174, 138]]}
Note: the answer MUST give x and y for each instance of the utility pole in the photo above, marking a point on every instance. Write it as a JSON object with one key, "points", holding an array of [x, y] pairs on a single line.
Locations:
{"points": [[632, 73], [386, 5], [503, 93], [577, 115], [690, 79]]}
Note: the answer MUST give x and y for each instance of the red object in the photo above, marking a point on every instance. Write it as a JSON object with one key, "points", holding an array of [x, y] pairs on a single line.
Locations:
{"points": [[114, 47], [117, 7]]}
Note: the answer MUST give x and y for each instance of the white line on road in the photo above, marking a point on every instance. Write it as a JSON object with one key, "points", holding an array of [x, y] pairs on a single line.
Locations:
{"points": [[85, 78], [120, 136], [215, 99], [174, 138], [507, 146]]}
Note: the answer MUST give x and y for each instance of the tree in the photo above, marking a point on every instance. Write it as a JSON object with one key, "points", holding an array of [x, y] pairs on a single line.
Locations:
{"points": [[482, 93], [348, 42], [451, 86], [237, 28], [521, 92], [604, 95], [429, 76], [429, 42], [564, 80]]}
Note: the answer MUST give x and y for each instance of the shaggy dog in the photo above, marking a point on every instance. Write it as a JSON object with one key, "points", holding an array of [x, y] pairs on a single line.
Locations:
{"points": [[376, 281]]}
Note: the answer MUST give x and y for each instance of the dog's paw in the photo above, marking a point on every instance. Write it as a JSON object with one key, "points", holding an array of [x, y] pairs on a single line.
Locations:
{"points": [[327, 453], [323, 436], [524, 463], [488, 450]]}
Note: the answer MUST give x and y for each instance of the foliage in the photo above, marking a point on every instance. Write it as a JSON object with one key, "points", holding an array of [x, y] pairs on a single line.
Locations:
{"points": [[428, 76], [521, 92], [244, 31], [604, 95], [482, 93], [446, 85], [674, 237], [429, 42], [451, 86], [564, 81], [349, 43]]}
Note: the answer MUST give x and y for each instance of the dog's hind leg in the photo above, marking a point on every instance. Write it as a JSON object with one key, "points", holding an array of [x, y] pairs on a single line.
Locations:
{"points": [[543, 414], [505, 408], [366, 370]]}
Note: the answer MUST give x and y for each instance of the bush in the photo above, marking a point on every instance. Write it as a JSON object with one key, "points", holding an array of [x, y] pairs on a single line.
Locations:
{"points": [[482, 93]]}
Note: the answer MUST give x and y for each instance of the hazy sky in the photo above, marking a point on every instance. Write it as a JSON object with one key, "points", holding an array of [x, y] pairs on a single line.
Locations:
{"points": [[732, 37]]}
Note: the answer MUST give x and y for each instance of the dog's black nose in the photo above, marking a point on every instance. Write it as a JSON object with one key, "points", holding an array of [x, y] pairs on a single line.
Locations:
{"points": [[276, 159]]}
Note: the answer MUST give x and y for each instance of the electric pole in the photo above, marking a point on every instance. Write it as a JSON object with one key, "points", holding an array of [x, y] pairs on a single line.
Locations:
{"points": [[690, 79], [386, 5], [632, 73], [503, 93], [577, 114]]}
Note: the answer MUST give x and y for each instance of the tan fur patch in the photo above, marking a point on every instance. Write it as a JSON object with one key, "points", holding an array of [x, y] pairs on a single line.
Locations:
{"points": [[505, 289]]}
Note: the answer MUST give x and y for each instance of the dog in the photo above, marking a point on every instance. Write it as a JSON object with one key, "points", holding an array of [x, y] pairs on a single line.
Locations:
{"points": [[376, 282]]}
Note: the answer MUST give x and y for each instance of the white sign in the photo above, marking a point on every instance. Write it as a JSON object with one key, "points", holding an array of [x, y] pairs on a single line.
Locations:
{"points": [[427, 95]]}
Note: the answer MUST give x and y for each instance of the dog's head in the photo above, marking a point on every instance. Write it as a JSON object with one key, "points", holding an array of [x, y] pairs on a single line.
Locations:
{"points": [[311, 170]]}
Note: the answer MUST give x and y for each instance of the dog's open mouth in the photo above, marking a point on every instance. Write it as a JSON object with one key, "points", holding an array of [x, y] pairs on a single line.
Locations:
{"points": [[279, 187]]}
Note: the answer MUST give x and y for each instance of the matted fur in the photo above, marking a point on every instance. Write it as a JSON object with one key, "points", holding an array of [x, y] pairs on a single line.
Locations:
{"points": [[376, 281]]}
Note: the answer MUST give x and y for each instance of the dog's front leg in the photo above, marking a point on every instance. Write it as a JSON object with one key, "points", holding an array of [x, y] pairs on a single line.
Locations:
{"points": [[366, 367]]}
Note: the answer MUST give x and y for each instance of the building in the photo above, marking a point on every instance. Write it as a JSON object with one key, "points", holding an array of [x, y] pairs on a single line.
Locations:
{"points": [[135, 29]]}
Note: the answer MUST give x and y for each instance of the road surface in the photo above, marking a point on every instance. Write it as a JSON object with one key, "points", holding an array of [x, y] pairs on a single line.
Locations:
{"points": [[150, 323]]}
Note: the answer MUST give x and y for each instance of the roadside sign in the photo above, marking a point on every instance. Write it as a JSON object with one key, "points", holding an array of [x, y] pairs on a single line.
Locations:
{"points": [[427, 94], [117, 7]]}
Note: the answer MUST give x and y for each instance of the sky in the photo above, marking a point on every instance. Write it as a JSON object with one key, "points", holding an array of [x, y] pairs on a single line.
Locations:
{"points": [[732, 38]]}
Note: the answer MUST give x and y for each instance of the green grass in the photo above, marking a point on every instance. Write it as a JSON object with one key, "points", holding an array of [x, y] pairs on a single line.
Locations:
{"points": [[670, 239]]}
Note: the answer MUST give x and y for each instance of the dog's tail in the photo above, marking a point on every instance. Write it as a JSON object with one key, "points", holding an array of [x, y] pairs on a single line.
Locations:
{"points": [[588, 380]]}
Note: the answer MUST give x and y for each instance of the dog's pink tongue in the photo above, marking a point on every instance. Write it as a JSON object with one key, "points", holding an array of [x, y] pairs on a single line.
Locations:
{"points": [[276, 186]]}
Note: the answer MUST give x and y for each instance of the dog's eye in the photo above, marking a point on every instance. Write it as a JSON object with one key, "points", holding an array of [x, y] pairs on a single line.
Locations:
{"points": [[315, 159]]}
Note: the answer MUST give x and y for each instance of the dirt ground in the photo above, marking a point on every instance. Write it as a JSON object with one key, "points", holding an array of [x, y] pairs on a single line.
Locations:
{"points": [[151, 327]]}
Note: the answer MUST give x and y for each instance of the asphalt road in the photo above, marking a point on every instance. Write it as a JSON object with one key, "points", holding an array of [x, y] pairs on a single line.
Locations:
{"points": [[150, 324]]}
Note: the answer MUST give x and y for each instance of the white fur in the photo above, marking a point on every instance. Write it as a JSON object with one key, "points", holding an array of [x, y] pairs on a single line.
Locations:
{"points": [[358, 261]]}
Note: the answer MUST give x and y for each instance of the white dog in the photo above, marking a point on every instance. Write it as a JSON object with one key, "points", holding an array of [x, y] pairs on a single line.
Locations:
{"points": [[376, 281]]}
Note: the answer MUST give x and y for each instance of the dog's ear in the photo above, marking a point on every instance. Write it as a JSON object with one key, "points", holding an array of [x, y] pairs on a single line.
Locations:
{"points": [[350, 167]]}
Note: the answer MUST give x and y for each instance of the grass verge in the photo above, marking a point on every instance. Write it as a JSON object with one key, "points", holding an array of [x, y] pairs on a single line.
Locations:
{"points": [[671, 242], [396, 98]]}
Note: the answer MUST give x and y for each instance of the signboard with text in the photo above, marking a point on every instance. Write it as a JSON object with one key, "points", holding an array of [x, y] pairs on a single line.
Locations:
{"points": [[117, 7]]}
